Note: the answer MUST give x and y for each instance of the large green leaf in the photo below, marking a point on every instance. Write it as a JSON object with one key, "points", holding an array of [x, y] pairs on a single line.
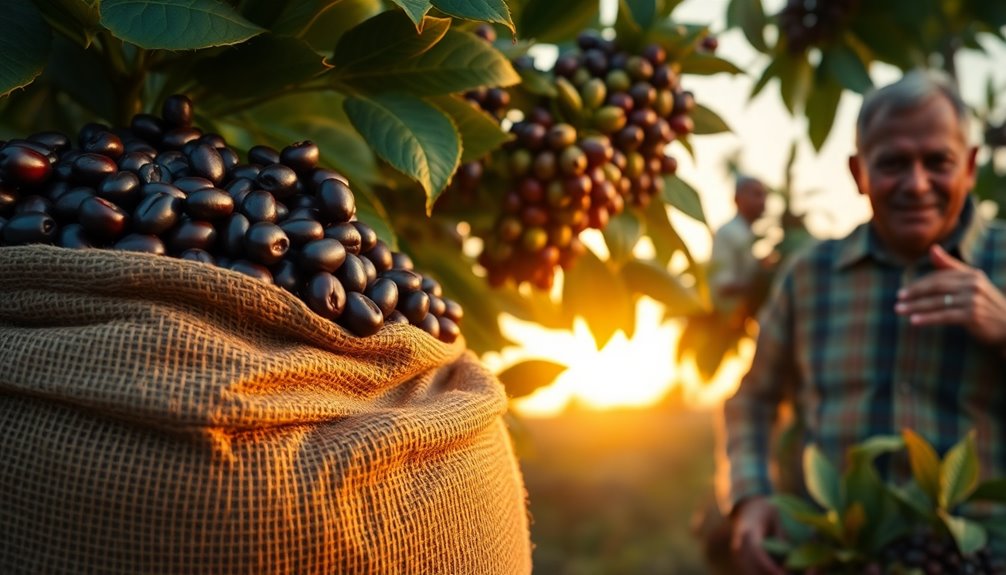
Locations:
{"points": [[25, 38], [325, 31], [795, 80], [416, 10], [523, 378], [822, 479], [703, 64], [556, 21], [993, 490], [264, 65], [593, 291], [707, 121], [959, 472], [844, 64], [653, 280], [413, 136], [925, 464], [642, 12], [969, 535], [74, 19], [298, 15], [460, 61], [666, 240], [480, 10], [684, 197], [480, 132], [749, 16], [822, 104], [385, 40], [865, 452], [622, 234], [176, 24]]}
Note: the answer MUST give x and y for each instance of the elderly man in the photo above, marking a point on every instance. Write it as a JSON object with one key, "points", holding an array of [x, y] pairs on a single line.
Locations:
{"points": [[900, 324], [734, 271]]}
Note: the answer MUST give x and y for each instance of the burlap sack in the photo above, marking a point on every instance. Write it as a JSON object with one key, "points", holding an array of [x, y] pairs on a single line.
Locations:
{"points": [[166, 416]]}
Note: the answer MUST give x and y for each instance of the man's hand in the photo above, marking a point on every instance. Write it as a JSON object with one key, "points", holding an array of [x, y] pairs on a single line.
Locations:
{"points": [[754, 520], [956, 294]]}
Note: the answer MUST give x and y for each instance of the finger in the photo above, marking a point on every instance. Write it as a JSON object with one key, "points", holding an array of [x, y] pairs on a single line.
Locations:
{"points": [[944, 261], [936, 284]]}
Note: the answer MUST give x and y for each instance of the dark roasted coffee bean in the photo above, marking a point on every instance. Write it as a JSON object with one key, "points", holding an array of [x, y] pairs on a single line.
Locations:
{"points": [[287, 276], [432, 287], [282, 212], [55, 141], [302, 157], [102, 219], [157, 213], [135, 145], [177, 110], [429, 323], [252, 270], [24, 166], [197, 255], [301, 231], [437, 305], [453, 310], [414, 305], [352, 274], [449, 331], [209, 204], [232, 237], [406, 280], [153, 173], [176, 138], [266, 243], [277, 179], [383, 292], [368, 237], [121, 188], [30, 228], [104, 143], [133, 161], [336, 201], [325, 255], [239, 188], [395, 318], [68, 205], [140, 243], [34, 203], [205, 161], [325, 295], [302, 214], [263, 155], [215, 140], [361, 316], [259, 206], [401, 261], [191, 184], [319, 175], [380, 255], [347, 234], [249, 171], [89, 130], [91, 169], [147, 126], [301, 201], [175, 162], [230, 159], [370, 269], [161, 188], [191, 234], [73, 236]]}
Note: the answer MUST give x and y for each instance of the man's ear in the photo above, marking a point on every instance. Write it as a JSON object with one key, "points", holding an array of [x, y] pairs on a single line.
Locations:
{"points": [[858, 173], [972, 163]]}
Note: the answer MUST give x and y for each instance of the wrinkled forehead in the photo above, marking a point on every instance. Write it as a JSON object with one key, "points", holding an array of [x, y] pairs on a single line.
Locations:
{"points": [[932, 121]]}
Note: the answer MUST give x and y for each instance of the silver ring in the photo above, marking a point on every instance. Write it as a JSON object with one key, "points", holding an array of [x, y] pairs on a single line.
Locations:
{"points": [[948, 300]]}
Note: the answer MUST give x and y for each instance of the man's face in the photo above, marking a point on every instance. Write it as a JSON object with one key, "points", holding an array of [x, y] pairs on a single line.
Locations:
{"points": [[751, 200], [917, 169]]}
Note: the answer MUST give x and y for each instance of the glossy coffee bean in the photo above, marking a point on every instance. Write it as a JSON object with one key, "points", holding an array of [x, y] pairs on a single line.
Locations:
{"points": [[370, 269], [239, 188], [102, 219], [266, 243], [401, 261], [336, 201], [429, 323], [176, 138], [347, 234], [453, 310], [157, 213], [67, 206], [34, 203], [209, 204], [24, 166], [380, 255], [197, 255], [287, 276], [30, 228], [8, 199], [302, 231], [319, 175], [147, 126], [277, 179], [414, 305], [232, 237], [395, 318], [53, 190], [263, 155], [55, 141], [121, 188], [437, 305], [325, 255], [432, 287], [282, 212], [352, 274], [190, 184], [449, 331], [177, 110], [368, 237], [384, 293], [153, 173], [249, 171], [251, 269], [259, 206], [73, 236], [325, 295], [140, 243], [406, 280], [91, 169], [230, 159], [46, 151], [205, 161], [214, 140], [302, 156], [361, 316], [161, 188], [89, 130], [104, 143], [191, 234]]}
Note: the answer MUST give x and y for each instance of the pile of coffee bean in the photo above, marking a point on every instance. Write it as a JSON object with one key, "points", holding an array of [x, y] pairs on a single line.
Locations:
{"points": [[163, 186], [925, 551], [808, 23]]}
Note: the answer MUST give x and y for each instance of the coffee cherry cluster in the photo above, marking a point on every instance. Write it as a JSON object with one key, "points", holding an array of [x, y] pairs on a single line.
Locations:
{"points": [[807, 23], [163, 186], [933, 553]]}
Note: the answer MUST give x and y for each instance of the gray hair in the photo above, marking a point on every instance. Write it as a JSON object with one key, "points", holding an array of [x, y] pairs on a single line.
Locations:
{"points": [[913, 89]]}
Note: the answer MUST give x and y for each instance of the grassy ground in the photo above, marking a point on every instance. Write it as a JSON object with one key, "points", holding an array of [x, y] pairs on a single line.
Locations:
{"points": [[616, 492]]}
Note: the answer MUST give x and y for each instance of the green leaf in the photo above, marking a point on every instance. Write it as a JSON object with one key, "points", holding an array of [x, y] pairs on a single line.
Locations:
{"points": [[925, 464], [666, 240], [845, 65], [416, 10], [776, 546], [653, 280], [385, 40], [556, 21], [458, 62], [480, 10], [749, 16], [993, 490], [25, 38], [75, 19], [680, 41], [264, 65], [414, 137], [298, 15], [682, 196], [332, 24], [176, 24], [537, 82], [480, 132], [770, 71], [622, 234], [865, 452], [915, 500], [795, 78], [822, 105], [707, 121], [854, 520], [822, 479], [593, 291], [996, 526], [703, 64], [959, 472], [527, 376], [810, 555], [969, 535], [643, 12]]}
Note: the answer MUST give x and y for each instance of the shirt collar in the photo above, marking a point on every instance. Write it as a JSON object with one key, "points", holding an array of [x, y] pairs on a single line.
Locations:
{"points": [[962, 243]]}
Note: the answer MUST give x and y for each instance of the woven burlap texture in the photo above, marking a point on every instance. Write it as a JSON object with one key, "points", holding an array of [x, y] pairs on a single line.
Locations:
{"points": [[167, 416]]}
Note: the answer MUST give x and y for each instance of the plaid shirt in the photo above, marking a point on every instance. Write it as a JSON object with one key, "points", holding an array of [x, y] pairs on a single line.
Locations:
{"points": [[830, 340]]}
